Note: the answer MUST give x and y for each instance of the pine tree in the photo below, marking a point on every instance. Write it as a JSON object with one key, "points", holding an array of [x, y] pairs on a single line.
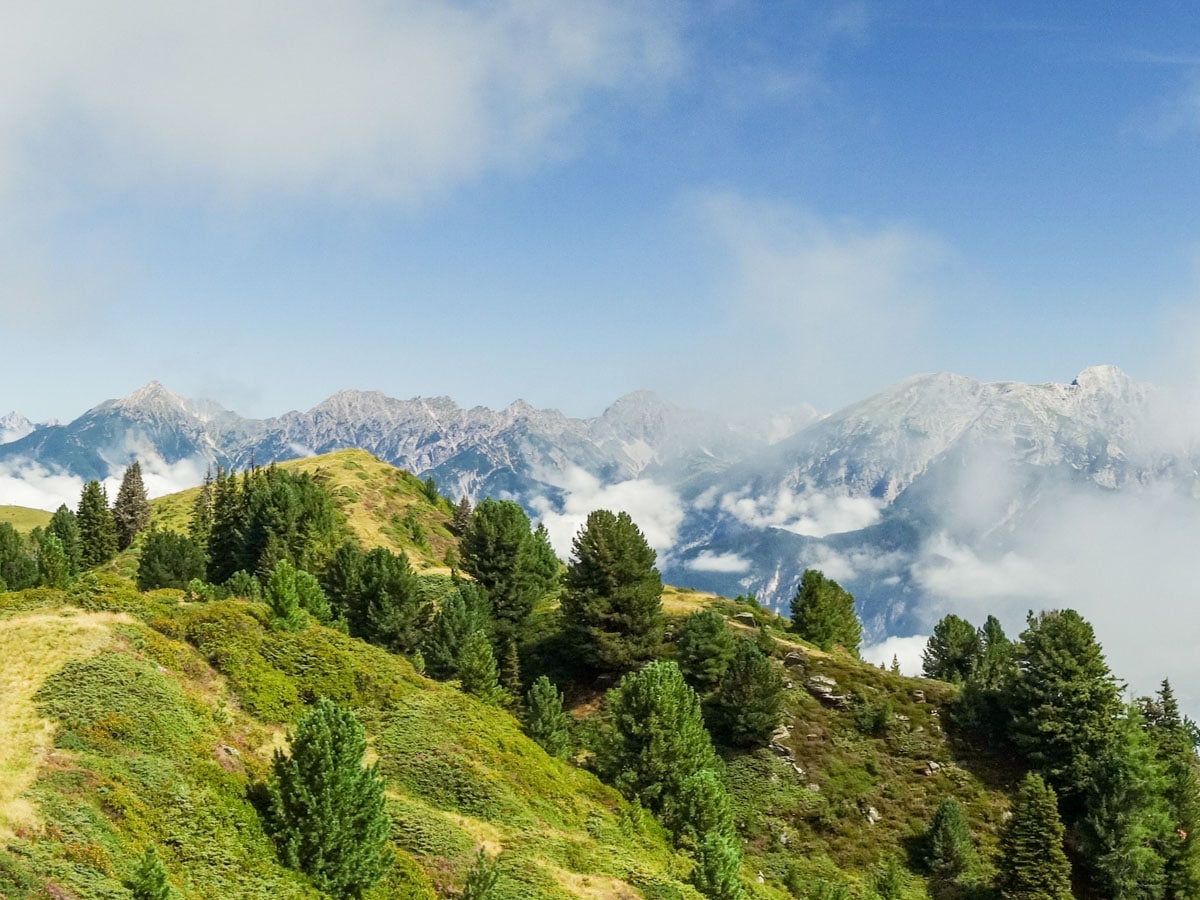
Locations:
{"points": [[823, 613], [704, 648], [391, 609], [64, 526], [1176, 755], [131, 511], [984, 704], [149, 880], [657, 740], [613, 602], [481, 878], [952, 650], [53, 569], [463, 611], [461, 521], [748, 705], [1065, 704], [200, 526], [477, 669], [950, 848], [1033, 865], [169, 560], [327, 811], [342, 582], [97, 527], [226, 539], [718, 863], [311, 598], [18, 568], [703, 807], [510, 670], [545, 720], [283, 596]]}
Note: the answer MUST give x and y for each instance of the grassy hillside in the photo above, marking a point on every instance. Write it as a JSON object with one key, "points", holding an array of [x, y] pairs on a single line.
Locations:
{"points": [[383, 506], [23, 518]]}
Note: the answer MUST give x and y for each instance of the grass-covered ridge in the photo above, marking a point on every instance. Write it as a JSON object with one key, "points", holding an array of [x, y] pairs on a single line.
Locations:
{"points": [[23, 518]]}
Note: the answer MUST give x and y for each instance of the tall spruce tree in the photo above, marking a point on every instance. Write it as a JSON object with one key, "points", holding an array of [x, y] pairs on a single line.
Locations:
{"points": [[226, 538], [984, 705], [613, 602], [97, 527], [64, 526], [545, 720], [950, 850], [18, 568], [1065, 704], [53, 568], [718, 864], [477, 672], [1177, 759], [169, 560], [952, 650], [463, 611], [342, 583], [283, 596], [327, 811], [823, 613], [704, 647], [131, 511], [748, 705], [657, 740], [461, 520], [392, 611], [1033, 864], [200, 526]]}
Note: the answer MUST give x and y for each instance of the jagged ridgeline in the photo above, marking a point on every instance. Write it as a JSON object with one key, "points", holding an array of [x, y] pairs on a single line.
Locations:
{"points": [[163, 742]]}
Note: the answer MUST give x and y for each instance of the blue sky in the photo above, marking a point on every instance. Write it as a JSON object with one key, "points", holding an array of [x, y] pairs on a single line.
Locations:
{"points": [[786, 202]]}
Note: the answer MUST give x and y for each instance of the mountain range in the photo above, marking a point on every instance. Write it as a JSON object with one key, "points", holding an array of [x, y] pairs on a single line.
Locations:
{"points": [[897, 495]]}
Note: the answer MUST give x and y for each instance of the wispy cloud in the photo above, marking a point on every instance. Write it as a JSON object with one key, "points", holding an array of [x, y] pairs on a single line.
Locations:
{"points": [[811, 513], [27, 483], [707, 561]]}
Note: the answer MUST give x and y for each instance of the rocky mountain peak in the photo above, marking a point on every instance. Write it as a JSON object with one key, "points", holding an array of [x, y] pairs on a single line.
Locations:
{"points": [[13, 427]]}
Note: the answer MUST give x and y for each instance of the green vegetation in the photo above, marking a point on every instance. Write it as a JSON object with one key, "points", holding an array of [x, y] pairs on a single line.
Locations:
{"points": [[1033, 864], [131, 509], [24, 519], [823, 613]]}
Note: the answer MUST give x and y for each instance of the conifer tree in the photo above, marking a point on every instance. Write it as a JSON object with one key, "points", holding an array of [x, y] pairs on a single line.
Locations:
{"points": [[327, 811], [510, 670], [200, 526], [952, 650], [169, 560], [481, 878], [545, 720], [748, 705], [984, 705], [477, 672], [53, 569], [391, 609], [131, 511], [613, 601], [226, 538], [149, 880], [18, 568], [283, 596], [342, 583], [311, 598], [704, 648], [1033, 865], [1065, 704], [951, 850], [703, 807], [823, 613], [462, 517], [718, 864], [657, 740], [97, 527], [64, 526], [463, 611], [1176, 755]]}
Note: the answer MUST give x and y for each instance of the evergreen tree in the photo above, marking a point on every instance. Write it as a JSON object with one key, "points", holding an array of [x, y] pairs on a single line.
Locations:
{"points": [[53, 568], [342, 582], [200, 526], [18, 568], [748, 706], [477, 669], [391, 610], [984, 704], [131, 511], [823, 613], [97, 527], [498, 551], [1065, 703], [327, 811], [283, 596], [311, 598], [64, 526], [461, 521], [1033, 865], [430, 489], [242, 584], [226, 538], [718, 862], [703, 807], [149, 880], [613, 602], [510, 670], [481, 878], [169, 560], [704, 648], [950, 848], [657, 740], [1126, 817], [463, 611], [545, 720], [952, 650], [1176, 756]]}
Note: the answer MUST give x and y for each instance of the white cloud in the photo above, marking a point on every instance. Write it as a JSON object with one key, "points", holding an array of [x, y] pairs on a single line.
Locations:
{"points": [[655, 509], [810, 513], [907, 650], [354, 98], [26, 483], [707, 561], [949, 571], [859, 562]]}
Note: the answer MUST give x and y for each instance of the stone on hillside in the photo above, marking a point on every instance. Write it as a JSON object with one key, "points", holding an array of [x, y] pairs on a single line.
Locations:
{"points": [[872, 815], [794, 659], [918, 696], [745, 618], [782, 733]]}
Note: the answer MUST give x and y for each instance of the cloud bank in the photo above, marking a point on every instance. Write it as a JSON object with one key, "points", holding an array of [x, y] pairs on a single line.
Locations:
{"points": [[811, 513], [26, 483]]}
